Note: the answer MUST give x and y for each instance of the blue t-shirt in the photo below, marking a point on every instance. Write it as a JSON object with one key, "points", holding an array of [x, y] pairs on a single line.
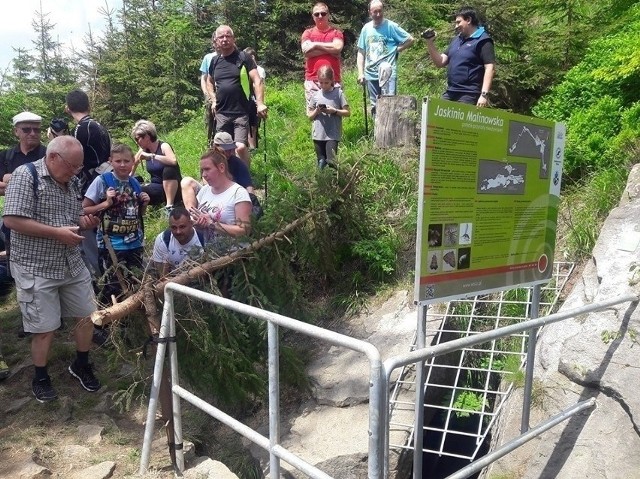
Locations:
{"points": [[380, 44], [122, 221], [239, 171], [206, 62]]}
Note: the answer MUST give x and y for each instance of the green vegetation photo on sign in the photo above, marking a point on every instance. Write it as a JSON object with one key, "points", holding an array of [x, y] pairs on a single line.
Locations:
{"points": [[488, 205]]}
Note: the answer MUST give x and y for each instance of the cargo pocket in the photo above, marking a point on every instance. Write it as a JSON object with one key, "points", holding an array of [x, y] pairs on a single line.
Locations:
{"points": [[25, 286]]}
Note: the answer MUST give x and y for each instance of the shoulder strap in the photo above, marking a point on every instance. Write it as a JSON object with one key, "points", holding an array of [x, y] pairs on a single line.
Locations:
{"points": [[108, 179], [8, 157], [200, 234], [32, 169], [166, 237], [135, 184]]}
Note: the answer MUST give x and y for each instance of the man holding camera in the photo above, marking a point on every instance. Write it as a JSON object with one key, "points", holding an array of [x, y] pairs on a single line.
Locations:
{"points": [[470, 60]]}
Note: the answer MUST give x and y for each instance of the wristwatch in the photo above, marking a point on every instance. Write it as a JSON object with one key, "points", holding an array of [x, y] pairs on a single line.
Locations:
{"points": [[484, 94]]}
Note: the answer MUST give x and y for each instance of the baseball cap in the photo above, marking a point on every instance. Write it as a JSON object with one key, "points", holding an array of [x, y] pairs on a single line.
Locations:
{"points": [[224, 141], [26, 116]]}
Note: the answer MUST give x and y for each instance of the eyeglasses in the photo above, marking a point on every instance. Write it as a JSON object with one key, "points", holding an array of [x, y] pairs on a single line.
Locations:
{"points": [[140, 137], [72, 167], [320, 14], [29, 129]]}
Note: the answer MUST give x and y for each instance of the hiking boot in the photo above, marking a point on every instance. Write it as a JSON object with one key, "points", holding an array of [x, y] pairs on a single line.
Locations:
{"points": [[85, 376], [43, 390], [168, 210], [4, 369]]}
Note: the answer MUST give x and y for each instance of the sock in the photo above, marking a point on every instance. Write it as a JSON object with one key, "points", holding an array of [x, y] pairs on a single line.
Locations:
{"points": [[41, 372], [82, 358]]}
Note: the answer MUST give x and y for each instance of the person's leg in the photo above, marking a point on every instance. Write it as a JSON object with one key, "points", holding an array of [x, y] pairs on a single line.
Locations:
{"points": [[310, 88], [190, 188], [253, 125], [321, 155], [390, 87], [241, 137], [171, 184], [373, 88], [155, 192], [332, 150]]}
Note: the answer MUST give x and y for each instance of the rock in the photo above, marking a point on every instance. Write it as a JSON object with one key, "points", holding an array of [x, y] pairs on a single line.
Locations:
{"points": [[206, 468], [104, 470], [24, 468], [76, 452], [90, 433], [591, 355]]}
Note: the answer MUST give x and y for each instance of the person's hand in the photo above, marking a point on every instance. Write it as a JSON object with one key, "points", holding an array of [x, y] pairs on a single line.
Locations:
{"points": [[148, 155], [262, 110], [360, 79], [200, 218], [111, 195], [88, 222], [6, 178], [213, 106], [482, 101], [306, 46], [137, 158], [69, 235], [330, 110], [145, 198]]}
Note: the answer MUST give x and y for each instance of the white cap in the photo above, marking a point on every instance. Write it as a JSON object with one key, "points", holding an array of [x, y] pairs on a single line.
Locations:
{"points": [[26, 116]]}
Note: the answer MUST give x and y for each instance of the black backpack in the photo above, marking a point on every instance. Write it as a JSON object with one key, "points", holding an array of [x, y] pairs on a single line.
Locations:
{"points": [[166, 237]]}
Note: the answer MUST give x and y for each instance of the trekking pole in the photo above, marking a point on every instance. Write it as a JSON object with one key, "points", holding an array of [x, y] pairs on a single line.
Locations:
{"points": [[364, 105], [264, 158]]}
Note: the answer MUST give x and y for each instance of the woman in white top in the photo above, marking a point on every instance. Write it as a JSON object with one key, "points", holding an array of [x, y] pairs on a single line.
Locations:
{"points": [[224, 207]]}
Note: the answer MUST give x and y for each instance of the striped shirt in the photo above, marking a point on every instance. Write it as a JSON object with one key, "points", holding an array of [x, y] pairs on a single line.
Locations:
{"points": [[50, 205]]}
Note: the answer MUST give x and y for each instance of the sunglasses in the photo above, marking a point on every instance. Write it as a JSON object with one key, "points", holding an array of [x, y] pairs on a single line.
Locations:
{"points": [[29, 129], [320, 14], [140, 137]]}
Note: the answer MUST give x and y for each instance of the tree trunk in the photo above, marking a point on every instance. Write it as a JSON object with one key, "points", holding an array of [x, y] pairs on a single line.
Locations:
{"points": [[396, 119]]}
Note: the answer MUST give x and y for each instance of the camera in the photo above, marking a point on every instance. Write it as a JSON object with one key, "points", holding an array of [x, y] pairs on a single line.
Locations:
{"points": [[428, 33], [322, 106]]}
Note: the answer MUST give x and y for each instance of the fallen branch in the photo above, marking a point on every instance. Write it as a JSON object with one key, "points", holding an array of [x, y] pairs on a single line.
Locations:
{"points": [[136, 300]]}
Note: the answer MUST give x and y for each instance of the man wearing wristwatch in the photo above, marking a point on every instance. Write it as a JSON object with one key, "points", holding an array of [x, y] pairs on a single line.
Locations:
{"points": [[470, 60]]}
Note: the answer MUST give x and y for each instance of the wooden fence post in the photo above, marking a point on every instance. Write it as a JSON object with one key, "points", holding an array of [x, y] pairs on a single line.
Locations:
{"points": [[396, 119]]}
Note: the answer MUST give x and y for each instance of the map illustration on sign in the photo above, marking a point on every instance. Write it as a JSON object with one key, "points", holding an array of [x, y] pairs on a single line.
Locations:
{"points": [[489, 198]]}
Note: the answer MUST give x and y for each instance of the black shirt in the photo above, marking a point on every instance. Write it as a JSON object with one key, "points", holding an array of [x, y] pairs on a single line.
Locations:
{"points": [[225, 72], [13, 157]]}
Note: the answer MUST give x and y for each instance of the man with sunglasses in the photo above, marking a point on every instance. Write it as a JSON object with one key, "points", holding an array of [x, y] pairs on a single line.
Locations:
{"points": [[26, 127], [321, 45]]}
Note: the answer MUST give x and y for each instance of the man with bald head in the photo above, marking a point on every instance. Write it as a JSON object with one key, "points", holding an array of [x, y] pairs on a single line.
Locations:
{"points": [[43, 208], [380, 42], [230, 74]]}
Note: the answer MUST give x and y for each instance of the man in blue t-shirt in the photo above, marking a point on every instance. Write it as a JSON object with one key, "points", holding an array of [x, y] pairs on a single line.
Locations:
{"points": [[207, 91], [470, 60], [380, 42]]}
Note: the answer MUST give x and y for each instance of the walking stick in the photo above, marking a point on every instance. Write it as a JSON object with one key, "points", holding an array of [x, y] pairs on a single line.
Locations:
{"points": [[264, 158], [364, 105]]}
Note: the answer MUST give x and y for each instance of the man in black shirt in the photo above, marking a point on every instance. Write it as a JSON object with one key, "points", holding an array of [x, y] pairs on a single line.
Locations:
{"points": [[26, 127], [227, 72]]}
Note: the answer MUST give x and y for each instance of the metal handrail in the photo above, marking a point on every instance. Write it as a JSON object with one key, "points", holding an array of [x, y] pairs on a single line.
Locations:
{"points": [[276, 451]]}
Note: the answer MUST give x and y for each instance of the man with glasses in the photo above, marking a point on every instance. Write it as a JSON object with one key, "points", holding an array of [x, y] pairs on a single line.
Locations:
{"points": [[380, 42], [52, 281], [230, 72], [26, 127], [321, 45]]}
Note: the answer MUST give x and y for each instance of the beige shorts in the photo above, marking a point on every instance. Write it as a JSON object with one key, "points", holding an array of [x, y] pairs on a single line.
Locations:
{"points": [[44, 301]]}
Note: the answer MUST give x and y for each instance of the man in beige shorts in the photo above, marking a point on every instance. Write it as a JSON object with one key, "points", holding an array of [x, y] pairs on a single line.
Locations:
{"points": [[44, 212]]}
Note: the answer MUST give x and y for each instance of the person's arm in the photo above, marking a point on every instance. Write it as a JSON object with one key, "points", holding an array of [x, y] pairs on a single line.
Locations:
{"points": [[258, 90], [487, 79], [160, 257], [360, 63], [68, 235], [406, 44], [203, 85], [4, 175], [92, 208], [321, 48], [440, 60], [168, 157], [241, 227]]}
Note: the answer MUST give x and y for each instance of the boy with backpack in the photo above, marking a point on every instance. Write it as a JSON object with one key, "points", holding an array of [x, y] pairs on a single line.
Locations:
{"points": [[120, 202]]}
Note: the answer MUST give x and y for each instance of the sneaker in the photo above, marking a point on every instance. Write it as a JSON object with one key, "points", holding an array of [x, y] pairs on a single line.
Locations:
{"points": [[4, 368], [168, 210], [85, 376], [43, 390]]}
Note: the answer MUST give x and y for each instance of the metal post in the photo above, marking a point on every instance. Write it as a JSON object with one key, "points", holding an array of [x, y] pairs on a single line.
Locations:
{"points": [[274, 398], [173, 365], [167, 317], [377, 417], [418, 427], [531, 358]]}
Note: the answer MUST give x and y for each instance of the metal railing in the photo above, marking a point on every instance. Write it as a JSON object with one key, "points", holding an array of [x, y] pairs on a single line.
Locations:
{"points": [[379, 385]]}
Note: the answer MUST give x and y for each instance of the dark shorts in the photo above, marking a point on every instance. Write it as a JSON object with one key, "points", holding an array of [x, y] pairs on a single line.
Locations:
{"points": [[236, 126], [469, 98]]}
